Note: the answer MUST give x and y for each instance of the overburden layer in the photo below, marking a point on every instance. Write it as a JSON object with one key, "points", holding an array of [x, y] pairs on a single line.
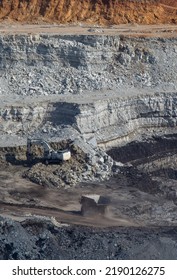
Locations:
{"points": [[106, 12]]}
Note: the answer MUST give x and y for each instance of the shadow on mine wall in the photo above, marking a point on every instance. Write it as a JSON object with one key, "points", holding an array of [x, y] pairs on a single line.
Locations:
{"points": [[62, 113], [141, 151]]}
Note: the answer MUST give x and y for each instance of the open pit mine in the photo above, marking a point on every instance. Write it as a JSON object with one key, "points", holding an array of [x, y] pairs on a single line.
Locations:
{"points": [[88, 131]]}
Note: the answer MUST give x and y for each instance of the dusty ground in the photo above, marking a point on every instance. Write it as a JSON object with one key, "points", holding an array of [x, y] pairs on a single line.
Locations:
{"points": [[143, 194], [22, 198], [160, 30], [140, 224]]}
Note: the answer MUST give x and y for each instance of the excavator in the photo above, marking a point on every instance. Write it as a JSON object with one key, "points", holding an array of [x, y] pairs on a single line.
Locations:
{"points": [[49, 154]]}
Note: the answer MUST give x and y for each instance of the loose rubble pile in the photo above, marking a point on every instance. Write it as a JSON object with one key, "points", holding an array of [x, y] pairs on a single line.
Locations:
{"points": [[45, 65], [87, 163], [40, 239], [47, 81]]}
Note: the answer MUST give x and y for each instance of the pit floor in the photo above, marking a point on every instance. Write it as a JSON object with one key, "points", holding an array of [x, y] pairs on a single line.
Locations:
{"points": [[135, 200]]}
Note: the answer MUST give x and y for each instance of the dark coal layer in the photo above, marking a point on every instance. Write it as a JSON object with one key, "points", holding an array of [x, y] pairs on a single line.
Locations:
{"points": [[34, 239], [157, 146]]}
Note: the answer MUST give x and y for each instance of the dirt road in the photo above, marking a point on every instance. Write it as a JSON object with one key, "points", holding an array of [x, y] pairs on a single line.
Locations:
{"points": [[136, 198], [134, 30], [21, 198]]}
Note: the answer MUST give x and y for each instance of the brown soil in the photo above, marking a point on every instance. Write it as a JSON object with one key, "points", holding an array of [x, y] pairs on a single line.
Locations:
{"points": [[99, 11], [22, 198], [171, 3], [144, 194], [140, 224]]}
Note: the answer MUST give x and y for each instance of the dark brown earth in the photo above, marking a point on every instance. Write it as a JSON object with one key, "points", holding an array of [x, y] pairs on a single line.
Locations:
{"points": [[143, 192], [140, 224]]}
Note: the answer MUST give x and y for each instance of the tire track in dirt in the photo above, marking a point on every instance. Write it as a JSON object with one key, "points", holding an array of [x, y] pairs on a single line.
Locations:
{"points": [[62, 216]]}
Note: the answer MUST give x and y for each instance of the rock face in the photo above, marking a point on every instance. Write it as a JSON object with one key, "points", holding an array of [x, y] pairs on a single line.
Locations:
{"points": [[111, 121], [116, 120], [112, 85], [65, 86], [35, 65], [99, 11], [20, 119]]}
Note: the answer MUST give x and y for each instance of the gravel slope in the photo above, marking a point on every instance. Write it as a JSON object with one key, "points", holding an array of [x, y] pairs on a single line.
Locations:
{"points": [[37, 239]]}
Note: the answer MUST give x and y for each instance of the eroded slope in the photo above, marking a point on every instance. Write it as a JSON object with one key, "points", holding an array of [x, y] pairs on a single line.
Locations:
{"points": [[99, 11]]}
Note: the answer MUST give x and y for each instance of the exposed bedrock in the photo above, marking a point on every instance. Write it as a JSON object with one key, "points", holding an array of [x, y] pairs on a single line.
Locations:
{"points": [[107, 86], [98, 11], [21, 119], [112, 121], [33, 65]]}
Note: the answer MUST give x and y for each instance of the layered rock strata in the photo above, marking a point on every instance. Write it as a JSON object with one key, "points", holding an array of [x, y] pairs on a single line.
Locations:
{"points": [[111, 121], [102, 86], [43, 65]]}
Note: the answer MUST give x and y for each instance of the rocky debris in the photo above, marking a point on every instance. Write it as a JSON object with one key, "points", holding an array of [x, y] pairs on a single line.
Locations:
{"points": [[45, 65], [87, 163], [116, 76], [37, 238]]}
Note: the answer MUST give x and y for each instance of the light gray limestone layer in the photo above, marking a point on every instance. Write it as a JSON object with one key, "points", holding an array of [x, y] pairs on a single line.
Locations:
{"points": [[109, 87], [42, 65], [111, 120]]}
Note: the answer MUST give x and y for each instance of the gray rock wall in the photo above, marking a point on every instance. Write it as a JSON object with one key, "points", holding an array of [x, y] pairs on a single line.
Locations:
{"points": [[58, 64], [21, 119], [115, 119], [78, 65], [107, 120], [159, 109]]}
